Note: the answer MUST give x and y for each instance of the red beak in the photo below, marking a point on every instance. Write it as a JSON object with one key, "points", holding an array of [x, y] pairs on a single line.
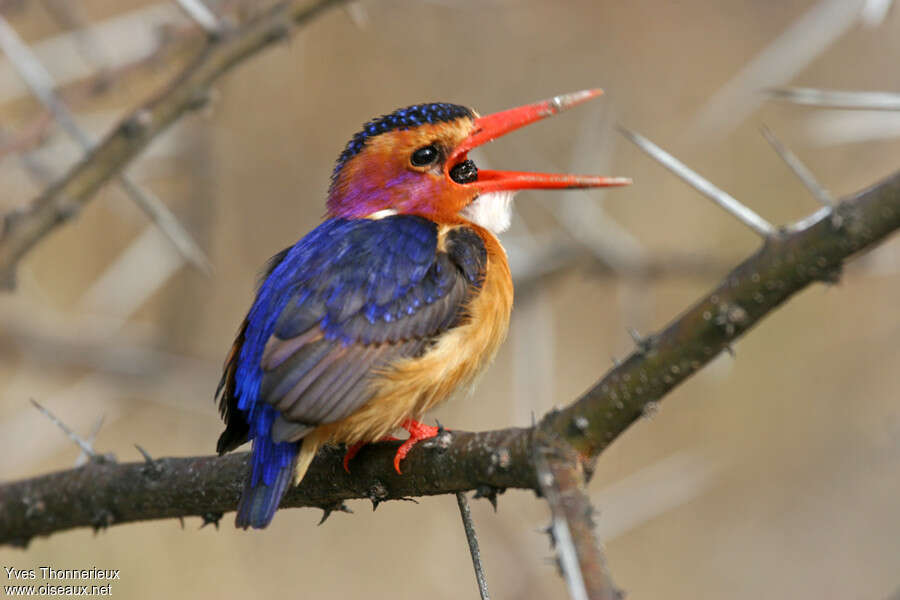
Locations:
{"points": [[490, 127]]}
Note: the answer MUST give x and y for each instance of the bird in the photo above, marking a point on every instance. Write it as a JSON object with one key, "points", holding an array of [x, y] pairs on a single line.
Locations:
{"points": [[398, 298]]}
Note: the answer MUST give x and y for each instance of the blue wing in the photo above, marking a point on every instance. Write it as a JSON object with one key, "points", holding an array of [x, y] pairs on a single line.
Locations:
{"points": [[351, 296]]}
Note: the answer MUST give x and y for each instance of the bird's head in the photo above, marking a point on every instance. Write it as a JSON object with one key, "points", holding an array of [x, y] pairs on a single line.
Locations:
{"points": [[415, 161]]}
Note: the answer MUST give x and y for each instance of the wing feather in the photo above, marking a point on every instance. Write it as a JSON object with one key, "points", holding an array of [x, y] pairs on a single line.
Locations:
{"points": [[348, 300]]}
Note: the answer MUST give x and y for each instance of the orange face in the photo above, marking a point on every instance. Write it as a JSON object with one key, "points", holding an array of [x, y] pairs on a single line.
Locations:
{"points": [[414, 161], [405, 171]]}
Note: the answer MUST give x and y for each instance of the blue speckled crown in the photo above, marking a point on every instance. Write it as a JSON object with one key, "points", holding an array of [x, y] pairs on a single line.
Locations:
{"points": [[402, 118]]}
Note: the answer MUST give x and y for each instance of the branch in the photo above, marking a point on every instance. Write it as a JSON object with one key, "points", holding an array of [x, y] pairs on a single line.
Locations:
{"points": [[562, 479], [102, 493], [22, 230]]}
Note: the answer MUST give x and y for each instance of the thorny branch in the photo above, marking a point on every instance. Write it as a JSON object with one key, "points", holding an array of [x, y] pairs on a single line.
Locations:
{"points": [[100, 494], [59, 203], [562, 479]]}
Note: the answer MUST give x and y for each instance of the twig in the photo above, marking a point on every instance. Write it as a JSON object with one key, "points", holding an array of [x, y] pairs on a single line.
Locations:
{"points": [[837, 98], [821, 25], [740, 211], [86, 448], [189, 90], [874, 12], [178, 487], [358, 14], [173, 46], [42, 85], [561, 480], [472, 538], [800, 170], [202, 15], [84, 457], [70, 15]]}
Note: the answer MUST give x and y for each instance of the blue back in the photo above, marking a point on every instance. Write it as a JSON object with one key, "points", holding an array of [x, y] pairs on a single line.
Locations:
{"points": [[342, 268]]}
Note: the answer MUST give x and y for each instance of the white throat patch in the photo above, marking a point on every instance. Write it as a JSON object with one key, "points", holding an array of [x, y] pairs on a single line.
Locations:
{"points": [[380, 214], [493, 211]]}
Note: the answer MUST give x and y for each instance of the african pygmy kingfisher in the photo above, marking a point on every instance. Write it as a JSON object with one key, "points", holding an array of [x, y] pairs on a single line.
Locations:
{"points": [[400, 296]]}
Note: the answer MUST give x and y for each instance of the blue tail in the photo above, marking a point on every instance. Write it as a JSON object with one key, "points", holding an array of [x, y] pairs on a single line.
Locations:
{"points": [[271, 472]]}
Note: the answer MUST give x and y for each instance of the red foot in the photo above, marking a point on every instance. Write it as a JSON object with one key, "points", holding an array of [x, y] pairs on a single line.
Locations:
{"points": [[354, 448], [417, 432]]}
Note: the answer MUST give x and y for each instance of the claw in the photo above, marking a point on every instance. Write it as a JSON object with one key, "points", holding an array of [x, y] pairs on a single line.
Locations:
{"points": [[353, 449], [417, 433], [351, 452]]}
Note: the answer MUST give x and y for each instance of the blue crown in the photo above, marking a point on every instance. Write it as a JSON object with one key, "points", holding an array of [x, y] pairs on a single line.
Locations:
{"points": [[402, 118]]}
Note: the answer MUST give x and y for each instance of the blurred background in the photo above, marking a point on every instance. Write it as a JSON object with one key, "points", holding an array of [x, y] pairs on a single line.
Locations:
{"points": [[775, 473]]}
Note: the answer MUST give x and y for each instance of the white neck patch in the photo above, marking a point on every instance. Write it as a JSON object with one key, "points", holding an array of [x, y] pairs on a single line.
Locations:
{"points": [[493, 211], [380, 214]]}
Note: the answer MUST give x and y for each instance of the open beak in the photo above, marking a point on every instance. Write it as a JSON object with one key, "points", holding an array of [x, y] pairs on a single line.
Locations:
{"points": [[490, 127]]}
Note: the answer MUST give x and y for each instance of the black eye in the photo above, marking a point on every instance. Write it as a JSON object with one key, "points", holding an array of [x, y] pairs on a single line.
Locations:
{"points": [[464, 172], [424, 156]]}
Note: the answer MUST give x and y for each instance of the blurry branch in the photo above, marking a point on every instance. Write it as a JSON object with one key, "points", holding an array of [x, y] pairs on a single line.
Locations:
{"points": [[837, 98], [200, 13], [190, 90], [874, 12], [70, 15], [103, 493], [820, 26], [561, 479], [174, 44], [42, 85]]}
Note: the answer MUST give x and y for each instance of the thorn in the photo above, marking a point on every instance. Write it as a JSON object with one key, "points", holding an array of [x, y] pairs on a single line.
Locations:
{"points": [[488, 492], [203, 16], [737, 209], [442, 440], [338, 506], [644, 344], [818, 191], [837, 98], [279, 32], [181, 520], [102, 520], [82, 457], [377, 494], [730, 350], [85, 447], [147, 458], [211, 518], [832, 276], [137, 124], [358, 14], [548, 531], [200, 99]]}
